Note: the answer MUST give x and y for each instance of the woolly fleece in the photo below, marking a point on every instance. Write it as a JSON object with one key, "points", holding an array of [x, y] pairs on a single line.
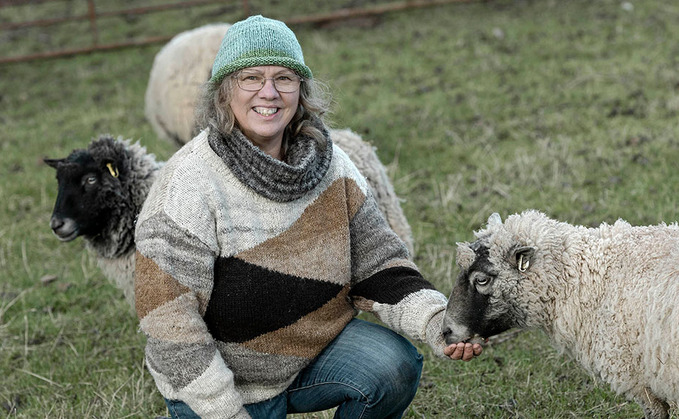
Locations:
{"points": [[606, 295]]}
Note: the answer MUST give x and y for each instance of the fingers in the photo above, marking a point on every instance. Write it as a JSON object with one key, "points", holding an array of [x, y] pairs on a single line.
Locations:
{"points": [[463, 351], [478, 349], [454, 351]]}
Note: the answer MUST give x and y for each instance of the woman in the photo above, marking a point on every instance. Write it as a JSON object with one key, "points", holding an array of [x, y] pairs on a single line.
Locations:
{"points": [[257, 246]]}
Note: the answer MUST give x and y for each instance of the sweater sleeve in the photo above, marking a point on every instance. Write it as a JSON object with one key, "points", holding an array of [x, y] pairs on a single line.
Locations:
{"points": [[173, 280], [389, 285]]}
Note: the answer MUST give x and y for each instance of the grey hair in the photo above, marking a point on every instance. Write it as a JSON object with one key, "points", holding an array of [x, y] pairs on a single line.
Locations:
{"points": [[213, 108]]}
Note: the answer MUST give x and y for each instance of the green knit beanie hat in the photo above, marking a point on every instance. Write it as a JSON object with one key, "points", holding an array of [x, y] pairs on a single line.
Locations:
{"points": [[257, 41]]}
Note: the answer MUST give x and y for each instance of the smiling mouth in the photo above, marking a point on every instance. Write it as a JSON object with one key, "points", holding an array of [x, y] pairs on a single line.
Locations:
{"points": [[265, 111]]}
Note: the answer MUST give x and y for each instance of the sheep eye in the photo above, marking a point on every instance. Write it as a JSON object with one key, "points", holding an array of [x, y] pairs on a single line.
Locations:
{"points": [[481, 280], [91, 179]]}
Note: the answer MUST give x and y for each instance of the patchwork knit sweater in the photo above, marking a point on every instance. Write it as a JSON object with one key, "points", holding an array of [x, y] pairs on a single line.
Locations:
{"points": [[247, 267]]}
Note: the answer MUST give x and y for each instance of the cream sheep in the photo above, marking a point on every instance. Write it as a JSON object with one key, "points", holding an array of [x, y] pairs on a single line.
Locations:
{"points": [[185, 63], [606, 295], [178, 71]]}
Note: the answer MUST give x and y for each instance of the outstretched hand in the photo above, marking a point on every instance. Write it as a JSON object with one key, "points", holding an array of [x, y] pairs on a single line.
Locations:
{"points": [[463, 351]]}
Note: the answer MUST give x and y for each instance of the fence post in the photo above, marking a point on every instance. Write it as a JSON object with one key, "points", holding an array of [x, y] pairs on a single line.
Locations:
{"points": [[93, 22]]}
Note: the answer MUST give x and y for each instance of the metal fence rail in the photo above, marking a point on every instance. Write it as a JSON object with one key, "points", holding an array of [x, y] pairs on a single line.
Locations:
{"points": [[93, 16]]}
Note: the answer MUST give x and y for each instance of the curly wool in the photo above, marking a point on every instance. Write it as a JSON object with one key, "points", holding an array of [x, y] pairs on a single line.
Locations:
{"points": [[606, 295], [114, 245], [137, 171]]}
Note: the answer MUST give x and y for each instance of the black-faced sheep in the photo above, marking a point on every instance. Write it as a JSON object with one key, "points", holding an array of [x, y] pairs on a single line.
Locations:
{"points": [[101, 191], [185, 63], [606, 295]]}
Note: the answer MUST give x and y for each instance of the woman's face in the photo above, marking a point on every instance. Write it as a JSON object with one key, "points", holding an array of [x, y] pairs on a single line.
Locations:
{"points": [[263, 115]]}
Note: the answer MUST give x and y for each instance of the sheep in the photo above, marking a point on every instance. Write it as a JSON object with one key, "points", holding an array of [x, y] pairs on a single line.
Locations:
{"points": [[101, 190], [605, 295], [185, 63], [179, 69]]}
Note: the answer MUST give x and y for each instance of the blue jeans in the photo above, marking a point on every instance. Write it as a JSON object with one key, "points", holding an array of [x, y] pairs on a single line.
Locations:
{"points": [[368, 371]]}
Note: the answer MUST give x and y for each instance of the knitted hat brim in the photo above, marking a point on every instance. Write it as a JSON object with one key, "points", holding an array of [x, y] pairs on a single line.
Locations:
{"points": [[294, 65]]}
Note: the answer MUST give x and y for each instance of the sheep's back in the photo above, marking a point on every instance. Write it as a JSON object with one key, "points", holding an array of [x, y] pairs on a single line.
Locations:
{"points": [[178, 71], [657, 270], [365, 158], [633, 334]]}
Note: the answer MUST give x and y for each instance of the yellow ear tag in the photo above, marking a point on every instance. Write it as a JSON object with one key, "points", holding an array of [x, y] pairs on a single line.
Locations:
{"points": [[112, 170], [523, 264]]}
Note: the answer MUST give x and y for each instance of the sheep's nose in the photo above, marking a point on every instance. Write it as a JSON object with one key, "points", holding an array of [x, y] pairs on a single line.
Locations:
{"points": [[447, 331], [56, 223]]}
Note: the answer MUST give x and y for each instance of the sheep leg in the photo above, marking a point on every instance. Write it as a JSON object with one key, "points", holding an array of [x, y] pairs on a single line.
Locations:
{"points": [[654, 408]]}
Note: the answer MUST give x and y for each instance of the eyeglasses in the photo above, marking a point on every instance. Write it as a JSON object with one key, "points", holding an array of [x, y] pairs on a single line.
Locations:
{"points": [[284, 83]]}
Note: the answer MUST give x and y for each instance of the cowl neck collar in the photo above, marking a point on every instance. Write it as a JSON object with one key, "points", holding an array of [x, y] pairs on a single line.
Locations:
{"points": [[306, 162]]}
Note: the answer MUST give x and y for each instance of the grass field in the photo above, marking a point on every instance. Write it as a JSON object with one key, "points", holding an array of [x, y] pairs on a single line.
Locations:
{"points": [[570, 107]]}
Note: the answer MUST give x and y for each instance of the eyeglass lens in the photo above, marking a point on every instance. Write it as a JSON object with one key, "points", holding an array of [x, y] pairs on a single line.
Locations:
{"points": [[285, 83]]}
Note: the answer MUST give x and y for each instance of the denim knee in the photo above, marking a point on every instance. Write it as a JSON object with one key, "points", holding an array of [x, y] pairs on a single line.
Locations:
{"points": [[390, 373], [399, 376]]}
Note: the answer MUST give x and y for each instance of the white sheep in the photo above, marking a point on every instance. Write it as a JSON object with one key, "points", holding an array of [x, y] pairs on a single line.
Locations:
{"points": [[179, 69], [606, 295], [185, 63]]}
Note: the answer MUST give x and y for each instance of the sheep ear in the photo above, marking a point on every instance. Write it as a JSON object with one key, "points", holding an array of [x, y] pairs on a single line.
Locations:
{"points": [[523, 257], [465, 256], [53, 162], [494, 219]]}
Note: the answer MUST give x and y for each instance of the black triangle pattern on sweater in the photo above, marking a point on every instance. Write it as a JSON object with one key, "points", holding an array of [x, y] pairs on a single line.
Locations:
{"points": [[391, 285], [248, 301]]}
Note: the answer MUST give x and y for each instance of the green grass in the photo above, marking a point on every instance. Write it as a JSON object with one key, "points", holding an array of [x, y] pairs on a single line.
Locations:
{"points": [[568, 107]]}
